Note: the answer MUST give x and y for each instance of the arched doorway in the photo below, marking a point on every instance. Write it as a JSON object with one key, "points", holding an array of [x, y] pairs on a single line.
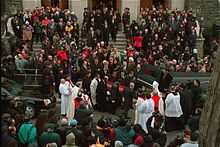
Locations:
{"points": [[63, 4]]}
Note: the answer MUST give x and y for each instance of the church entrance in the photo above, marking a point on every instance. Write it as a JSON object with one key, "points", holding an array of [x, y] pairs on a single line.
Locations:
{"points": [[156, 3], [63, 4], [94, 4]]}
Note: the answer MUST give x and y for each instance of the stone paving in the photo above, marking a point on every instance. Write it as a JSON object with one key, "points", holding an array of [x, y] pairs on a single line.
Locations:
{"points": [[98, 115]]}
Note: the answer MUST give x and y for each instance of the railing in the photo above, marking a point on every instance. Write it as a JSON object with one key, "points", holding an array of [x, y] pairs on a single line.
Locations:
{"points": [[144, 82]]}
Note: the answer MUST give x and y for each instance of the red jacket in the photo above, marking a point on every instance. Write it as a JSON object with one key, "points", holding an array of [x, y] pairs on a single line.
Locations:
{"points": [[62, 55], [45, 22], [138, 41]]}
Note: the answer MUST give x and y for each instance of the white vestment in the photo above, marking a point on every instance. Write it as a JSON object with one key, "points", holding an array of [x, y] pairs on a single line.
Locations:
{"points": [[71, 104], [173, 107], [138, 104], [65, 96], [161, 107], [145, 111], [93, 86]]}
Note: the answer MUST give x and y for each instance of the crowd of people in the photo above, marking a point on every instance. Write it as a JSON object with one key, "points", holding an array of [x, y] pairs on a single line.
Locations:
{"points": [[149, 129], [163, 39]]}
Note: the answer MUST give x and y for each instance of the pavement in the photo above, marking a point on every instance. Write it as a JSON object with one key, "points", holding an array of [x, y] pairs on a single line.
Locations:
{"points": [[97, 115]]}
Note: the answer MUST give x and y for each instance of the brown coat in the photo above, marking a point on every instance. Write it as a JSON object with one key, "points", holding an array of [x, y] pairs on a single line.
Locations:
{"points": [[27, 33]]}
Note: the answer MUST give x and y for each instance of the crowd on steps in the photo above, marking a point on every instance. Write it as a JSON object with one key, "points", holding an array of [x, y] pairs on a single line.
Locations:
{"points": [[73, 52]]}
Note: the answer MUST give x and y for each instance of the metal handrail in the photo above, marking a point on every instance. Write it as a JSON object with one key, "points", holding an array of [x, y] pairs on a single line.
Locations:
{"points": [[138, 79]]}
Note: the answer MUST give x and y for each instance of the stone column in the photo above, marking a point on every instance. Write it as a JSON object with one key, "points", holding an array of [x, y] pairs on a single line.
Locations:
{"points": [[78, 6], [134, 6], [31, 4], [177, 4]]}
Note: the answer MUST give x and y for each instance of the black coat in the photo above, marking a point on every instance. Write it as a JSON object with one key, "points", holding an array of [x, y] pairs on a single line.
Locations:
{"points": [[91, 40], [164, 82], [186, 102]]}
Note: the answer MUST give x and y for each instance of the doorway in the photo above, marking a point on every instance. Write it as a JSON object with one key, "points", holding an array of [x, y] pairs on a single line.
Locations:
{"points": [[99, 4], [63, 4], [156, 3], [146, 4]]}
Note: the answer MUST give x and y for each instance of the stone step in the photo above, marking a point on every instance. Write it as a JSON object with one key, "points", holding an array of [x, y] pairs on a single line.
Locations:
{"points": [[32, 87], [121, 38], [37, 45], [34, 47], [31, 93], [121, 35], [29, 74], [120, 43], [36, 50]]}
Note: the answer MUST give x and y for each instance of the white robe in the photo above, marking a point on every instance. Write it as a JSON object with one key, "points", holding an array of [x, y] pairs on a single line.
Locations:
{"points": [[71, 104], [161, 107], [145, 111], [197, 28], [93, 86], [137, 107], [173, 107], [65, 96]]}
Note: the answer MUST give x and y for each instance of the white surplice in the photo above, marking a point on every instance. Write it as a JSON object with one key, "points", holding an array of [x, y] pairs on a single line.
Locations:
{"points": [[145, 111], [71, 104], [65, 98]]}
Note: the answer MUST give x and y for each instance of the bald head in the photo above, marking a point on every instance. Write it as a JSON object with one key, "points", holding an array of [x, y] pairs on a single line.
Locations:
{"points": [[62, 81]]}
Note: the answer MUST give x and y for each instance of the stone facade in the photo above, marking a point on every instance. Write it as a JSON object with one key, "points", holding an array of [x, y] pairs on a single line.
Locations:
{"points": [[134, 6], [209, 9], [31, 4], [77, 6], [10, 6], [177, 4]]}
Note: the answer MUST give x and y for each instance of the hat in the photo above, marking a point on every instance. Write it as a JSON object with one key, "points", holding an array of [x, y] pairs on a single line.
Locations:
{"points": [[73, 122], [139, 140], [105, 62], [70, 139], [118, 144], [131, 59]]}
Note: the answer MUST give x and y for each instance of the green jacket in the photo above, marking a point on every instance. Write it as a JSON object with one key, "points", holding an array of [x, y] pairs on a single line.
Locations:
{"points": [[124, 136], [27, 133], [49, 137]]}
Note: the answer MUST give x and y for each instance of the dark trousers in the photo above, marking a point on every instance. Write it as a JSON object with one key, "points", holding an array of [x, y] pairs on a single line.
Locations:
{"points": [[113, 35], [173, 123]]}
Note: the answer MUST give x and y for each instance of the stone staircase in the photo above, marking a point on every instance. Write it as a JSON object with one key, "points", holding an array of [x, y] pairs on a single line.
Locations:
{"points": [[31, 78], [121, 42]]}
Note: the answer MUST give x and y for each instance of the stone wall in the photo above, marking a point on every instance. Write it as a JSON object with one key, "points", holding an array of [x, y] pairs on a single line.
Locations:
{"points": [[209, 9], [31, 4], [11, 6], [134, 6], [77, 6], [177, 4]]}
